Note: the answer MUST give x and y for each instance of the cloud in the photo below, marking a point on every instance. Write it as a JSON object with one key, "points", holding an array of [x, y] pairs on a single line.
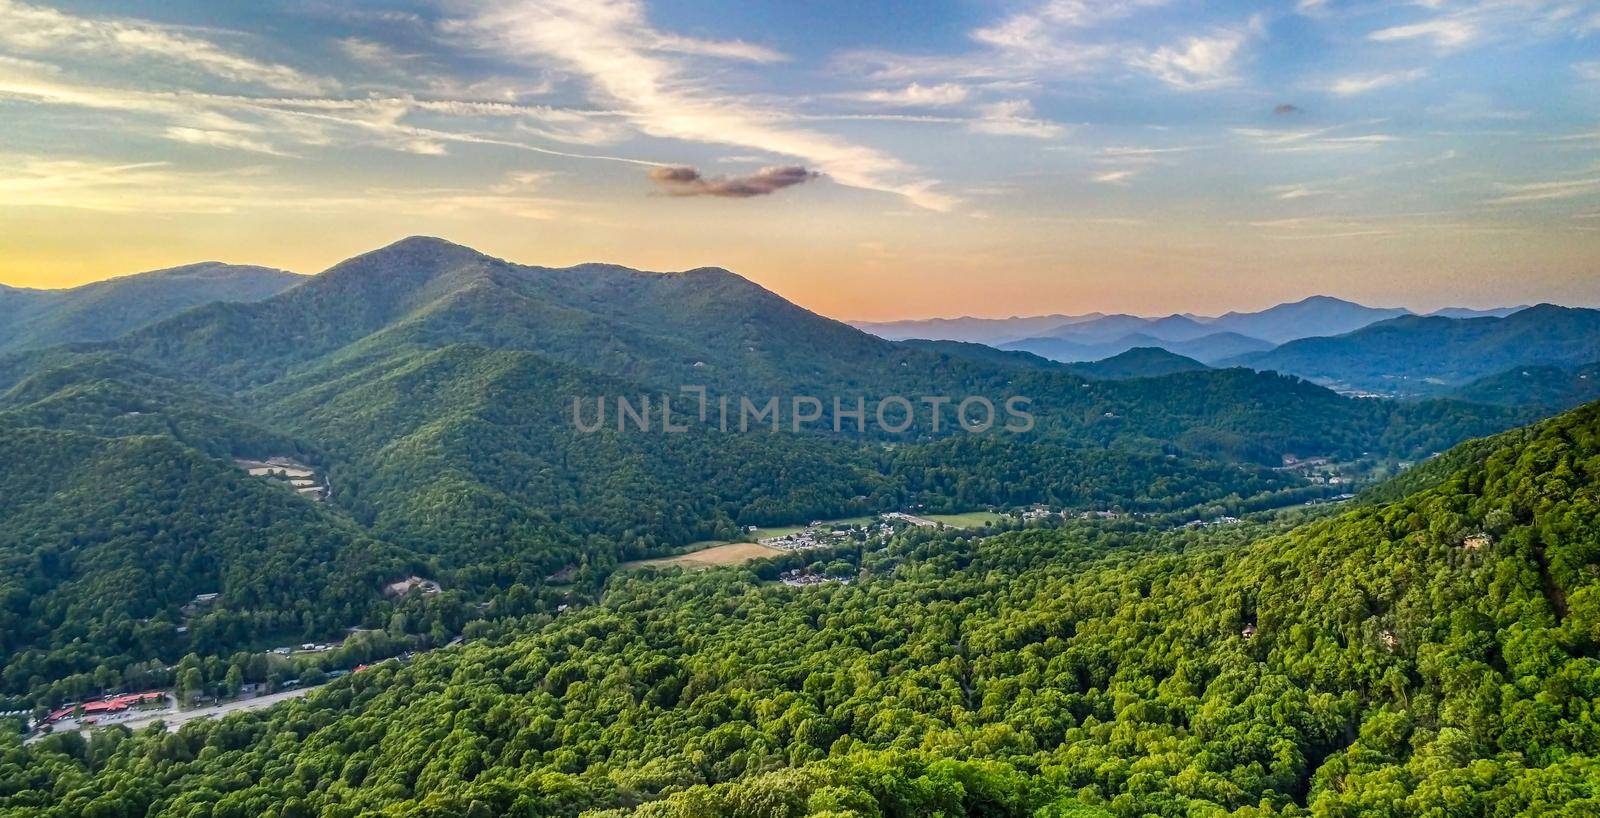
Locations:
{"points": [[1013, 117], [158, 187], [1470, 22], [250, 122], [1547, 191], [1114, 177], [611, 44], [39, 30], [1284, 109], [1038, 28], [722, 49], [1291, 192], [1589, 70], [1445, 33], [1351, 86], [221, 139], [1200, 62], [913, 96], [688, 181]]}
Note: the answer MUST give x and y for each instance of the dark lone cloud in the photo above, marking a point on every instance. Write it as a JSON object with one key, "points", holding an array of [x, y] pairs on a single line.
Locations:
{"points": [[687, 181], [1286, 108]]}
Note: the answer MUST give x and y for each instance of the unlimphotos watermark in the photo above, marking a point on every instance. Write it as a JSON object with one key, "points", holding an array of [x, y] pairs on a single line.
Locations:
{"points": [[894, 414]]}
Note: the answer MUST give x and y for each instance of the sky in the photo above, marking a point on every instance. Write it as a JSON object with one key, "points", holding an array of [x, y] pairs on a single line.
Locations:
{"points": [[867, 160]]}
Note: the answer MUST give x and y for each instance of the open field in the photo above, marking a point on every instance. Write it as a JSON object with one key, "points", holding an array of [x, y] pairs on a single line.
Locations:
{"points": [[970, 519], [784, 530], [726, 554]]}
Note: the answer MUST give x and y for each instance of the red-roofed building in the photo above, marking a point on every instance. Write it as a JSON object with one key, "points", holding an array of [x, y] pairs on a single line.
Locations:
{"points": [[114, 704]]}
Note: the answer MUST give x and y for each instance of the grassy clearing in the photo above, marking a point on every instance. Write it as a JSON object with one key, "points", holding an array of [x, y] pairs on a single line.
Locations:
{"points": [[780, 531], [712, 556], [970, 519]]}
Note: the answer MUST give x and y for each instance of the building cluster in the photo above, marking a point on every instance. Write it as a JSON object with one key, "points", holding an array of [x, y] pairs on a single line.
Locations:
{"points": [[802, 578], [410, 585], [1212, 523], [301, 477], [106, 706]]}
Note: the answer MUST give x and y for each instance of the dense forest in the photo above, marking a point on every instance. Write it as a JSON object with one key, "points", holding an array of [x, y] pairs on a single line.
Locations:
{"points": [[1438, 653], [430, 387]]}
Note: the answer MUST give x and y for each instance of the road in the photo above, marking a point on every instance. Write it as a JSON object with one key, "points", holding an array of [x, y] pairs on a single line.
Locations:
{"points": [[177, 718]]}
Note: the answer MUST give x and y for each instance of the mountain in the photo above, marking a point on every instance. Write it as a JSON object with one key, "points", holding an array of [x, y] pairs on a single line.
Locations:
{"points": [[1415, 355], [31, 319], [976, 330], [1315, 316], [1554, 387], [1067, 351], [431, 390], [1008, 359], [1218, 346], [1208, 349], [1432, 653], [1468, 312], [1139, 362]]}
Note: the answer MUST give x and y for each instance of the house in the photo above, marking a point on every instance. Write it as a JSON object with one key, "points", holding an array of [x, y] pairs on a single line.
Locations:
{"points": [[410, 584]]}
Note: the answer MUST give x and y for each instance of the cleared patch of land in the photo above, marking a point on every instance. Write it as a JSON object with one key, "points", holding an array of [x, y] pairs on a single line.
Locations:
{"points": [[727, 554], [786, 530], [970, 519]]}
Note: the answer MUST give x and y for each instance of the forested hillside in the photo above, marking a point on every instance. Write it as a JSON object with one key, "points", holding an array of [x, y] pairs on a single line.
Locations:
{"points": [[430, 388], [32, 319], [1439, 654], [1417, 355], [1556, 387]]}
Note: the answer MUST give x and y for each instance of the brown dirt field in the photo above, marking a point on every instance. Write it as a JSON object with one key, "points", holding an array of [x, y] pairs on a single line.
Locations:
{"points": [[729, 554]]}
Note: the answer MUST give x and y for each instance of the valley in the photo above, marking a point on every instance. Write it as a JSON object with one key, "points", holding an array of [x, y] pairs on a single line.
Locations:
{"points": [[406, 475]]}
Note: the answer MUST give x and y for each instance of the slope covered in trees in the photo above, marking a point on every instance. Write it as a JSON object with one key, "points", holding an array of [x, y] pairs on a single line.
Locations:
{"points": [[432, 387], [31, 319], [1555, 387], [1439, 654], [1139, 362], [1417, 355]]}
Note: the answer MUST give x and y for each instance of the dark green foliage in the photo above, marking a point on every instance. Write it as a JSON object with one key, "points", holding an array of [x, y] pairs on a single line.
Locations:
{"points": [[1433, 655], [1417, 355], [431, 386], [1139, 362], [105, 540], [1551, 387]]}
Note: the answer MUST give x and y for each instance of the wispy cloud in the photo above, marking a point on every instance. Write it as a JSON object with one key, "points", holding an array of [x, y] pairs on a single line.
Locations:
{"points": [[221, 139], [40, 30], [1463, 23], [1361, 84], [1013, 117], [1546, 191], [1201, 62], [914, 95], [1313, 140], [1444, 33], [613, 46], [160, 187], [1114, 177]]}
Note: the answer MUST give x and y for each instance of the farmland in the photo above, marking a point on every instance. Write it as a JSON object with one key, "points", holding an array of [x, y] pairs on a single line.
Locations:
{"points": [[711, 556]]}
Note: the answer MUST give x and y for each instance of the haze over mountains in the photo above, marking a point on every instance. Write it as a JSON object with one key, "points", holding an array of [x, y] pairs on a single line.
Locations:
{"points": [[1339, 344], [1208, 339]]}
